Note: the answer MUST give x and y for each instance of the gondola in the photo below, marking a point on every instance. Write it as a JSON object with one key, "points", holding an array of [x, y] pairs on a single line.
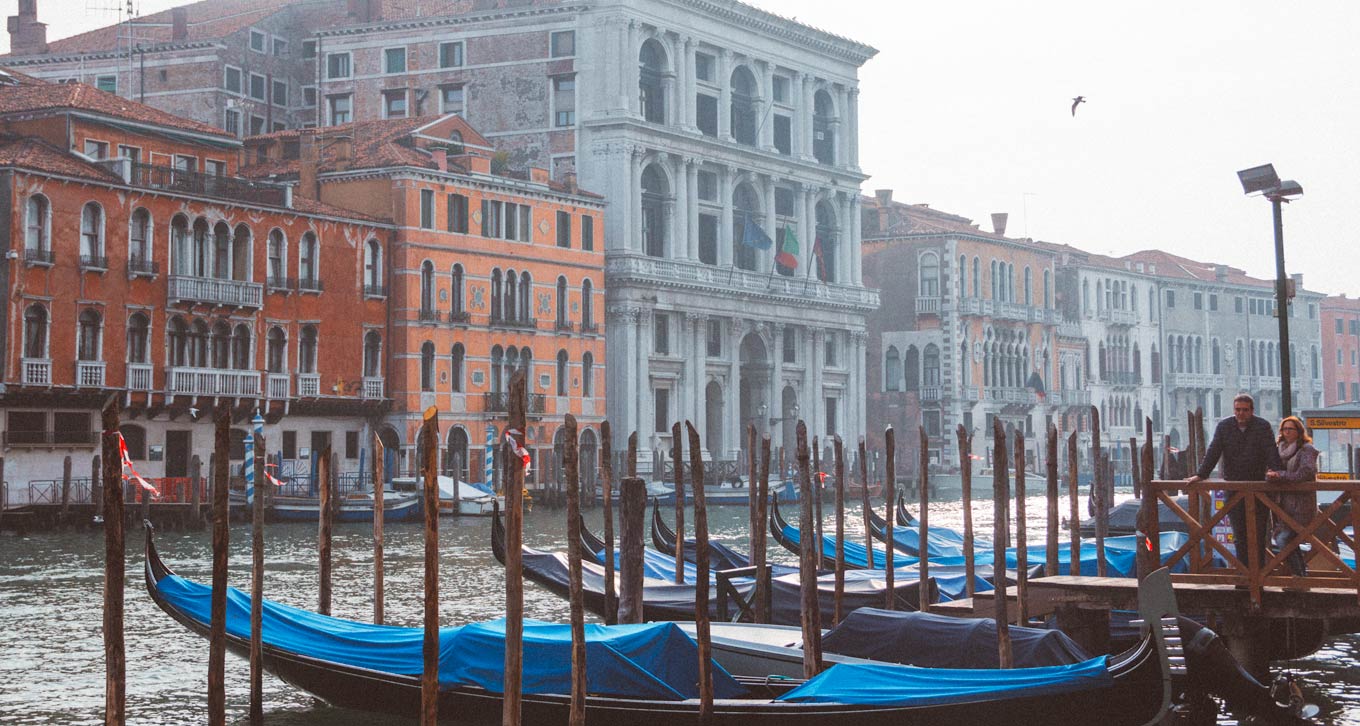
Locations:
{"points": [[665, 600], [721, 557], [354, 508], [941, 541], [376, 668]]}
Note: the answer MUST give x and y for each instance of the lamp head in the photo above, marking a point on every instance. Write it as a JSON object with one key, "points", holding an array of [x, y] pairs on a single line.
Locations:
{"points": [[1258, 179]]}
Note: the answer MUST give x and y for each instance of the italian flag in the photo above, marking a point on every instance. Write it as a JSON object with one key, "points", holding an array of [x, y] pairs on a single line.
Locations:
{"points": [[788, 250]]}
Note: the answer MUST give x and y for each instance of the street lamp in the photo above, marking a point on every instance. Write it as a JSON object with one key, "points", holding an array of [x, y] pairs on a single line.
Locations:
{"points": [[1264, 180]]}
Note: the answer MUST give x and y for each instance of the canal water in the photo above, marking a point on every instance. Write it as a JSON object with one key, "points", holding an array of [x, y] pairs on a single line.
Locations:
{"points": [[51, 650]]}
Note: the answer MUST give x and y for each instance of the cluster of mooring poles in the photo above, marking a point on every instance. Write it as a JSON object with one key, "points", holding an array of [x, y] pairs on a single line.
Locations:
{"points": [[626, 605]]}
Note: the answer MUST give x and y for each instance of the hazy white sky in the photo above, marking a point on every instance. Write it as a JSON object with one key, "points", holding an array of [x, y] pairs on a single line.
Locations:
{"points": [[966, 108]]}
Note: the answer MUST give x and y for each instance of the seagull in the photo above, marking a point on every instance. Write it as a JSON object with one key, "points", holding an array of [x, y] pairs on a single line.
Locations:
{"points": [[193, 412], [1076, 102]]}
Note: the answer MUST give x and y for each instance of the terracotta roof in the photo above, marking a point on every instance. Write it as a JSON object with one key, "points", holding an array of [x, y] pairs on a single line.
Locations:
{"points": [[80, 97], [32, 153], [1341, 303], [1169, 265], [11, 77], [920, 219], [207, 20]]}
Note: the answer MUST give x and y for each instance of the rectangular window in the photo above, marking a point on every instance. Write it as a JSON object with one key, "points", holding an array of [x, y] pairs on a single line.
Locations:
{"points": [[661, 334], [131, 153], [309, 96], [231, 123], [1312, 311], [257, 41], [308, 49], [526, 227], [564, 101], [257, 86], [587, 233], [231, 79], [1355, 391], [97, 149], [703, 67], [394, 60], [257, 126], [394, 104], [1213, 302], [564, 229], [1171, 298], [427, 209], [491, 212], [214, 167], [107, 83], [563, 43], [1355, 327], [451, 99], [337, 65], [662, 409], [831, 406], [280, 47], [1237, 304], [340, 109], [783, 134], [781, 89], [706, 114], [451, 54], [714, 339], [790, 345], [829, 349], [290, 444], [1341, 391], [1198, 301], [280, 93], [458, 213], [351, 444], [708, 239]]}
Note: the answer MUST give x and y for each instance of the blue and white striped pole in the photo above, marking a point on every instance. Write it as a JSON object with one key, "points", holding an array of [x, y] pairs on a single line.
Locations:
{"points": [[257, 434], [490, 458]]}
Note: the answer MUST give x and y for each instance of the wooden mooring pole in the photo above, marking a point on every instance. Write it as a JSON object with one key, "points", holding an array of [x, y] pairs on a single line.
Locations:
{"points": [[631, 464], [1051, 494], [762, 502], [379, 453], [701, 572], [115, 563], [66, 491], [966, 474], [570, 464], [890, 499], [514, 530], [678, 463], [632, 509], [217, 628], [1000, 494], [819, 526], [196, 492], [1073, 506], [923, 516], [611, 598], [325, 526], [1021, 547], [1098, 502], [840, 525], [1149, 554], [865, 504], [807, 570], [255, 455], [752, 488]]}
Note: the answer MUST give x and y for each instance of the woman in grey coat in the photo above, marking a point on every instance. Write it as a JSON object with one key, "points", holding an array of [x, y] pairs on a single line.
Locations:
{"points": [[1300, 465]]}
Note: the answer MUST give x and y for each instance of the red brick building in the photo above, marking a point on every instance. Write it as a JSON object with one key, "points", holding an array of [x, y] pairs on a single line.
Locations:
{"points": [[1340, 349]]}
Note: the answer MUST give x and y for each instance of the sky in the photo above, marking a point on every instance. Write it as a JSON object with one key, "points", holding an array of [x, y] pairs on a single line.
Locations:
{"points": [[966, 108]]}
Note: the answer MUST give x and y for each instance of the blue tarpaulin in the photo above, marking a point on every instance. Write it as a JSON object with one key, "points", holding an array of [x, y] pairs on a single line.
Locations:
{"points": [[899, 685], [653, 661]]}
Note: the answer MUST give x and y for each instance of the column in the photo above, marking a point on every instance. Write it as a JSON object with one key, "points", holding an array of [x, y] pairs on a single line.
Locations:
{"points": [[775, 387], [855, 242], [807, 113], [799, 123], [842, 127], [699, 381], [692, 211], [616, 34], [668, 85], [735, 428], [725, 95], [625, 320], [857, 424], [807, 231], [643, 398], [635, 156], [767, 264], [629, 61], [844, 249], [853, 131], [680, 246], [812, 392], [687, 88], [765, 137], [725, 184]]}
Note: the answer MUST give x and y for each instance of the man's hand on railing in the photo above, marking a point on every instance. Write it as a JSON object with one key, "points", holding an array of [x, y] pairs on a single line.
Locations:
{"points": [[1274, 476], [1193, 479]]}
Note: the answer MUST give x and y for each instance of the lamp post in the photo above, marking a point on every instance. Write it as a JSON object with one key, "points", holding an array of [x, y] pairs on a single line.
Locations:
{"points": [[1263, 179]]}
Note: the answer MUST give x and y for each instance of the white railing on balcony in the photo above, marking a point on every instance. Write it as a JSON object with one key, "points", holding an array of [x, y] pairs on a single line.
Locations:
{"points": [[694, 274], [970, 306], [1068, 329], [970, 393], [1012, 394], [235, 293], [1071, 398], [373, 388], [927, 306], [1012, 311], [90, 373], [37, 371], [212, 382], [1123, 317], [930, 393], [139, 376], [309, 385], [1198, 380], [277, 385]]}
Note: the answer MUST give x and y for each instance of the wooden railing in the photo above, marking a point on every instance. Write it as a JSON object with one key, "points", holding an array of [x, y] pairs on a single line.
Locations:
{"points": [[1326, 568]]}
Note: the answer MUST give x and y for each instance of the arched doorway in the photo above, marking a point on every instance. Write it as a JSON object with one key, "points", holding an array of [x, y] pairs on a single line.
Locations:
{"points": [[713, 423], [788, 418], [391, 447], [456, 455], [559, 448], [755, 377], [589, 457]]}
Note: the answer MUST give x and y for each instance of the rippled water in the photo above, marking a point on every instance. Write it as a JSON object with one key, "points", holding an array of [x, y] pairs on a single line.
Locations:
{"points": [[51, 651]]}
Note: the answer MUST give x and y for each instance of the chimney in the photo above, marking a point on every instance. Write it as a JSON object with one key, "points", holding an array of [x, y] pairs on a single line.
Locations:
{"points": [[570, 180], [365, 11], [179, 23], [999, 222], [538, 175], [27, 36], [307, 165], [441, 158], [884, 196], [344, 152], [1220, 272]]}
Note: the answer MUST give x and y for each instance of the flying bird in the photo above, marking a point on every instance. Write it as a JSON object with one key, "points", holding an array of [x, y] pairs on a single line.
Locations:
{"points": [[1076, 102]]}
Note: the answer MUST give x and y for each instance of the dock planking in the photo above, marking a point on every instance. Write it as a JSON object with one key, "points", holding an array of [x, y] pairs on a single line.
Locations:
{"points": [[1121, 593]]}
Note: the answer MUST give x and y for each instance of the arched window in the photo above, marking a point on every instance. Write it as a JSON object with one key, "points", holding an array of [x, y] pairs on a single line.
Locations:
{"points": [[90, 329], [587, 374], [511, 297], [200, 257], [92, 236], [198, 344], [139, 240], [995, 278], [828, 230], [497, 373], [240, 347], [561, 302], [744, 112], [930, 275], [526, 296], [278, 259], [426, 289], [138, 338], [655, 195], [930, 366], [496, 311], [427, 366], [221, 251], [963, 276], [37, 228], [1316, 369], [221, 346], [309, 275], [746, 211], [1048, 289], [372, 354], [456, 293], [912, 368], [587, 305], [1029, 286], [651, 87], [457, 367], [977, 277], [240, 253], [307, 349], [892, 370], [178, 342], [562, 373], [1214, 357], [276, 353], [373, 270], [823, 128]]}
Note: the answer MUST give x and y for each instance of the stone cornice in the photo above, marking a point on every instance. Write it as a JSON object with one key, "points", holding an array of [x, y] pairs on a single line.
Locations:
{"points": [[741, 14], [435, 21]]}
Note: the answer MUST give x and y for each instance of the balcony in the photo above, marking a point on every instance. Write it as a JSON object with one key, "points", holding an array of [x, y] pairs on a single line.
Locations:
{"points": [[36, 371], [139, 377], [212, 382], [1012, 394], [51, 438], [564, 326], [930, 393], [277, 386], [44, 258], [695, 275], [590, 328], [309, 385], [212, 291], [928, 306], [970, 306], [1197, 380], [1122, 378], [89, 374], [1123, 317], [500, 403], [971, 394], [1260, 383], [1071, 399], [375, 291], [1069, 329], [148, 176], [283, 285], [520, 323], [429, 316], [1012, 311], [310, 284], [138, 267], [1046, 316], [94, 263], [373, 388], [460, 317]]}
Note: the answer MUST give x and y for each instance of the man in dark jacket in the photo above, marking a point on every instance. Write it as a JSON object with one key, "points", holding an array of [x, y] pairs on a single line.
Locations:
{"points": [[1246, 443]]}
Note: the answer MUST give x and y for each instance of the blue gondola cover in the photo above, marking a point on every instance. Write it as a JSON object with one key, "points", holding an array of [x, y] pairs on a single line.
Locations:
{"points": [[901, 685]]}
